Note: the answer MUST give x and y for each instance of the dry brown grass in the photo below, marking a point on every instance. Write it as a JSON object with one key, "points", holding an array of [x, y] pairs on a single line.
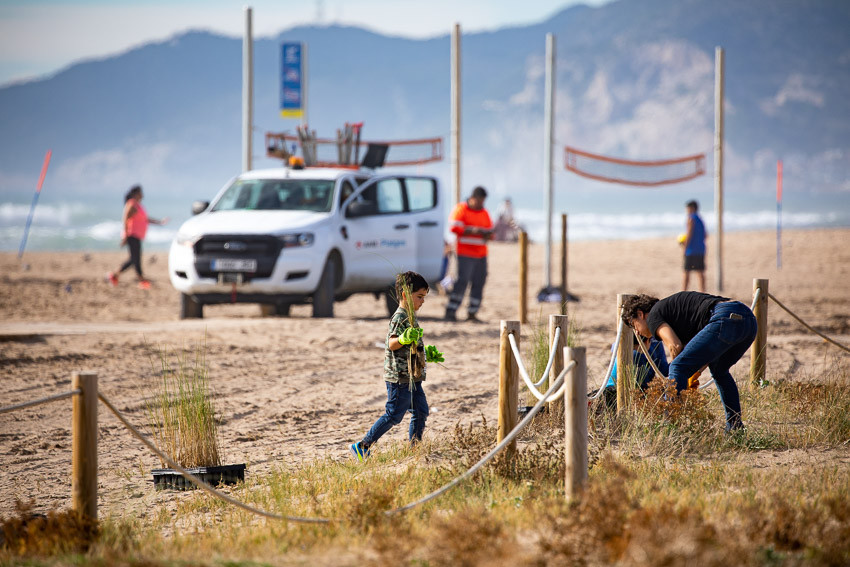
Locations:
{"points": [[40, 535]]}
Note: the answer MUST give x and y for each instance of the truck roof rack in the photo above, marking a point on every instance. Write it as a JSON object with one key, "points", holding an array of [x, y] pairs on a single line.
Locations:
{"points": [[345, 150]]}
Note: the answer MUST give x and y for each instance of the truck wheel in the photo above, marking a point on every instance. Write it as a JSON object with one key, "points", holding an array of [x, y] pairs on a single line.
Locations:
{"points": [[391, 301], [189, 308], [323, 298], [275, 309]]}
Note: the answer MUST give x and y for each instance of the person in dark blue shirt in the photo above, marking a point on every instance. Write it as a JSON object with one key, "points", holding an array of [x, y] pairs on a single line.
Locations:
{"points": [[694, 245]]}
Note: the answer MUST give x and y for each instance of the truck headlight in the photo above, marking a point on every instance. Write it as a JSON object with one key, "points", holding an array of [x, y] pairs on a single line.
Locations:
{"points": [[185, 240], [296, 240]]}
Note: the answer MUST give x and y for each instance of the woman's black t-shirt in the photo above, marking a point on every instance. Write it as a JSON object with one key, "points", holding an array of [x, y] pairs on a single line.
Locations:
{"points": [[687, 312]]}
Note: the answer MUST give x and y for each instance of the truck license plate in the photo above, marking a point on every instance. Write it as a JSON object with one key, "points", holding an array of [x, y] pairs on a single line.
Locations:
{"points": [[234, 265]]}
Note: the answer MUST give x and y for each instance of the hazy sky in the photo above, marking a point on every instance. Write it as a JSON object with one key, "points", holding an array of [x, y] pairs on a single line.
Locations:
{"points": [[39, 37]]}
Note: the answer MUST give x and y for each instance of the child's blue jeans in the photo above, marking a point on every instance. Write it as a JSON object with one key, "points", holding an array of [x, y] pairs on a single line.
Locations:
{"points": [[398, 403], [720, 344]]}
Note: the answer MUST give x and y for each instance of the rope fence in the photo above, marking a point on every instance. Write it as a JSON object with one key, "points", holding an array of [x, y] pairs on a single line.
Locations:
{"points": [[557, 385], [84, 470], [38, 402], [532, 386], [806, 325], [198, 482], [497, 449]]}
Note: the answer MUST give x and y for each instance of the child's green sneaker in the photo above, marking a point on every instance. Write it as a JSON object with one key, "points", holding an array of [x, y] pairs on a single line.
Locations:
{"points": [[359, 452]]}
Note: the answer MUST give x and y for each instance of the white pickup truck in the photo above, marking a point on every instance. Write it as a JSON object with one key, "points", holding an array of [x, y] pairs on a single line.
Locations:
{"points": [[286, 236]]}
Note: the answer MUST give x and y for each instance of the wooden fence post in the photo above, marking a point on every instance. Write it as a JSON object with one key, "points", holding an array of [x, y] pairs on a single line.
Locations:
{"points": [[624, 357], [508, 383], [564, 264], [84, 445], [575, 422], [523, 277], [758, 352], [556, 322]]}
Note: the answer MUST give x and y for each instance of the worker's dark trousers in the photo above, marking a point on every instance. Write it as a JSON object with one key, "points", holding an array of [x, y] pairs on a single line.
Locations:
{"points": [[469, 271]]}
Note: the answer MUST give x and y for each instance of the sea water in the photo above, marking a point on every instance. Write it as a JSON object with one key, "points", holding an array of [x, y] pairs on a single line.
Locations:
{"points": [[83, 226]]}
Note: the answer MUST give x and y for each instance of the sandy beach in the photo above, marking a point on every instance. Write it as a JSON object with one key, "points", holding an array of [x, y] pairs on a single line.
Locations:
{"points": [[291, 389]]}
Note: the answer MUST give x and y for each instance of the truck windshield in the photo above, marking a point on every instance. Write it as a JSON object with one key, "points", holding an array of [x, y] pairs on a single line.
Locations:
{"points": [[277, 195]]}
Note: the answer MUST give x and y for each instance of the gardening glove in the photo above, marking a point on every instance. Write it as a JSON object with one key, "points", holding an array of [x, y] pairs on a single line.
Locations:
{"points": [[433, 355], [410, 335], [693, 381]]}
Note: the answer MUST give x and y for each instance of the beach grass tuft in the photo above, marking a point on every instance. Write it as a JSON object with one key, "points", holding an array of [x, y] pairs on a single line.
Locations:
{"points": [[181, 412]]}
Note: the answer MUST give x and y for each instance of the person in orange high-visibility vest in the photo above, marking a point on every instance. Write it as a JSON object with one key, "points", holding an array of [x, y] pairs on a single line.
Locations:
{"points": [[471, 222]]}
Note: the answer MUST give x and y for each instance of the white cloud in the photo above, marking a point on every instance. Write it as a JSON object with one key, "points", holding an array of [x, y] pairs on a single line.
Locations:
{"points": [[532, 90], [115, 168], [797, 88]]}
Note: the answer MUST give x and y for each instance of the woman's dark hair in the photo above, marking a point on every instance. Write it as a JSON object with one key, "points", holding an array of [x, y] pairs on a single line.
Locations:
{"points": [[637, 303], [411, 280], [133, 190]]}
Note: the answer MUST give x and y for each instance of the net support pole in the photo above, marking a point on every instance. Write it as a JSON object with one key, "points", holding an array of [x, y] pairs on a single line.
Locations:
{"points": [[455, 127], [84, 445], [247, 91], [718, 158], [563, 264], [624, 357], [523, 277], [508, 384], [556, 322], [548, 147], [575, 423], [758, 351]]}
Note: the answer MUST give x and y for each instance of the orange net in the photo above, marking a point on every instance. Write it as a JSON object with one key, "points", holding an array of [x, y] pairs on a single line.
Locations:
{"points": [[633, 172]]}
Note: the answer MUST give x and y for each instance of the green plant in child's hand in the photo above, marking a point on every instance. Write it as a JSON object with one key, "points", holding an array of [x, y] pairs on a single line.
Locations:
{"points": [[433, 355], [410, 335]]}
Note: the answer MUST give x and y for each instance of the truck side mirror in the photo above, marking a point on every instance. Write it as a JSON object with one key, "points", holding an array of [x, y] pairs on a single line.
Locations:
{"points": [[359, 209], [199, 207]]}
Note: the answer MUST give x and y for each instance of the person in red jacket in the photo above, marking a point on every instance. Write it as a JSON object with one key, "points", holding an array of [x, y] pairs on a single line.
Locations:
{"points": [[471, 222]]}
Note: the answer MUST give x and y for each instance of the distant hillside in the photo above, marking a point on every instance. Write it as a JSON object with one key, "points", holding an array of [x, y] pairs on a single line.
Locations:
{"points": [[635, 79]]}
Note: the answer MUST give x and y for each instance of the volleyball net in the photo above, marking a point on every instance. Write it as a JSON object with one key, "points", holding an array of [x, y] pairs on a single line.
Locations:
{"points": [[641, 173]]}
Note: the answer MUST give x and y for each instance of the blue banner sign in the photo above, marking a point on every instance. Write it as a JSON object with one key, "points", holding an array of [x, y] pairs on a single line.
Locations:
{"points": [[292, 81]]}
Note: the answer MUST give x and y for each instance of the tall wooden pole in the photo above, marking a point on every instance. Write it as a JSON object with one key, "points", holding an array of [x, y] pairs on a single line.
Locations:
{"points": [[84, 444], [624, 357], [758, 352], [247, 93], [556, 322], [548, 147], [455, 127], [564, 264], [575, 423], [718, 158], [508, 383], [523, 277]]}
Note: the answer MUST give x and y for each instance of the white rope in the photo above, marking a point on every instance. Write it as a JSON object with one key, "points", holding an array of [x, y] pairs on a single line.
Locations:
{"points": [[524, 373], [198, 482], [611, 363], [486, 458], [552, 349], [39, 401]]}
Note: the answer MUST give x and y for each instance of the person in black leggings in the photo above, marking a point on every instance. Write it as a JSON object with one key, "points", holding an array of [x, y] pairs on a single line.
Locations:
{"points": [[135, 223]]}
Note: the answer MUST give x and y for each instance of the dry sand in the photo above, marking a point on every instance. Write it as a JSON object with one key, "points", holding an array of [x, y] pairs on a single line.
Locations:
{"points": [[291, 389]]}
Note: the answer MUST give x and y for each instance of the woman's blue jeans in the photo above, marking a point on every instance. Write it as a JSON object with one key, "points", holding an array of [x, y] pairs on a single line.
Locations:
{"points": [[398, 403], [720, 344]]}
